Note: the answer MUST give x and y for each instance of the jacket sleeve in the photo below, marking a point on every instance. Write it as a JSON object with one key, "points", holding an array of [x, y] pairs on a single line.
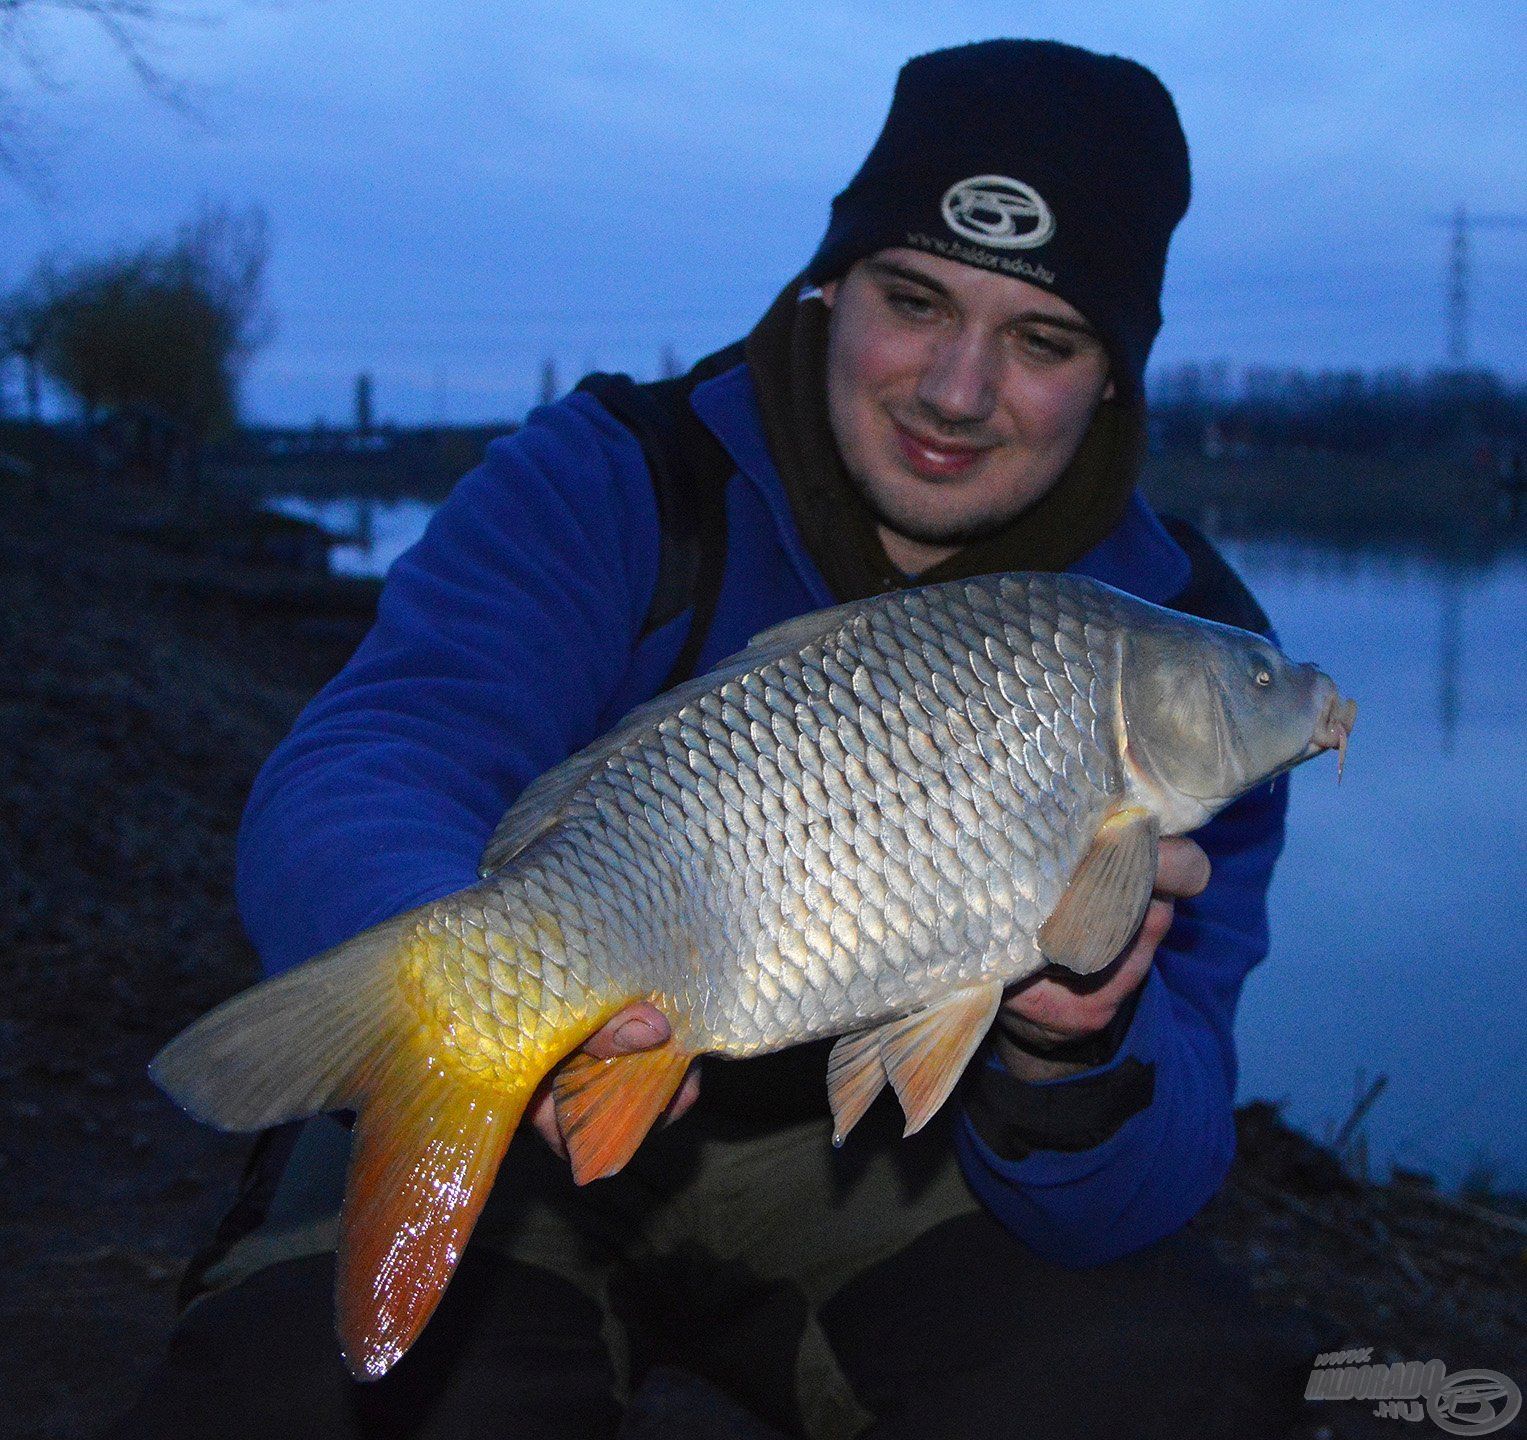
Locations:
{"points": [[500, 640], [1156, 1170]]}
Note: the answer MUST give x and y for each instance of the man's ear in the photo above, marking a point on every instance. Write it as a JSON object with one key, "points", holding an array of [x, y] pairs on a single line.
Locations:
{"points": [[1109, 391], [829, 291]]}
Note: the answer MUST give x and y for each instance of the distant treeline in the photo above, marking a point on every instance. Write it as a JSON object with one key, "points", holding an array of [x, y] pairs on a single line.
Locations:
{"points": [[1385, 412]]}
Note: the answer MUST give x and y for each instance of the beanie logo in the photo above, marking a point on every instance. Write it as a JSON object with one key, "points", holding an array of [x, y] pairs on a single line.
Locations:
{"points": [[998, 211]]}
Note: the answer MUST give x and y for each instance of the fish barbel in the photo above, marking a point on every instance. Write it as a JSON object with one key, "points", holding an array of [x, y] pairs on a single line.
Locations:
{"points": [[867, 824]]}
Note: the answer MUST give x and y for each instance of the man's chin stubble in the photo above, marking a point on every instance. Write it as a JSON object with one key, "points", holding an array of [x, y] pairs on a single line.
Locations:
{"points": [[931, 532]]}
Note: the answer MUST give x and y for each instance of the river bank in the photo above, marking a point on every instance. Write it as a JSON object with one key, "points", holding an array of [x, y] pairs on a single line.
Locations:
{"points": [[149, 668]]}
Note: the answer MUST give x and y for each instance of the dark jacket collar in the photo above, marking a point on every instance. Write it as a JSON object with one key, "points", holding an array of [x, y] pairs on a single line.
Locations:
{"points": [[1138, 557]]}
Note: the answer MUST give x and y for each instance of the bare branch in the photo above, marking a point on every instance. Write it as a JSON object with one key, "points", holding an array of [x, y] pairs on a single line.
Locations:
{"points": [[132, 27]]}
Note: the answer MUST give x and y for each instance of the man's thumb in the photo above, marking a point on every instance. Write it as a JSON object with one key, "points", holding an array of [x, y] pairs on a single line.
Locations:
{"points": [[638, 1027]]}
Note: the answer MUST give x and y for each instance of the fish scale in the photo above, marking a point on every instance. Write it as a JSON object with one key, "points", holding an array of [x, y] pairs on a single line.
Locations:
{"points": [[889, 800]]}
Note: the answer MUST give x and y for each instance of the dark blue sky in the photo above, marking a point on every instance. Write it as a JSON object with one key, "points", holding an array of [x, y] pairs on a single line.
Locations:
{"points": [[460, 190]]}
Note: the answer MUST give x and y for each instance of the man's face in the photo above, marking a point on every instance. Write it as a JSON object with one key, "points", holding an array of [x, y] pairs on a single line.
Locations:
{"points": [[957, 396]]}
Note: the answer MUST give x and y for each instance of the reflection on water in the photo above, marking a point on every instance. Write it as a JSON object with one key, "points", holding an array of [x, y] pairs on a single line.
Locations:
{"points": [[375, 532], [1398, 908]]}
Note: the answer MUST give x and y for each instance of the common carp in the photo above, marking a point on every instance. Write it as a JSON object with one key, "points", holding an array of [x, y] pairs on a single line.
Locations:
{"points": [[867, 824]]}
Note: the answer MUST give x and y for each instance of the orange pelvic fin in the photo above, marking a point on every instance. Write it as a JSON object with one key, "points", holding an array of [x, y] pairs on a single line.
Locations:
{"points": [[922, 1055], [606, 1107], [425, 1153], [855, 1076]]}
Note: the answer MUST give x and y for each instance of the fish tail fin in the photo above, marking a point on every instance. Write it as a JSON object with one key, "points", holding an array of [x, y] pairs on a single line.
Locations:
{"points": [[337, 1033], [299, 1043], [425, 1153]]}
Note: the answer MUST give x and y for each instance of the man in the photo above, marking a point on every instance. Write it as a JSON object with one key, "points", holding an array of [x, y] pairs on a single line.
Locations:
{"points": [[953, 387]]}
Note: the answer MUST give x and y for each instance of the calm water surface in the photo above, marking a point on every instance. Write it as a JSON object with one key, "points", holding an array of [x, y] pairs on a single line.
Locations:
{"points": [[379, 530], [1400, 903]]}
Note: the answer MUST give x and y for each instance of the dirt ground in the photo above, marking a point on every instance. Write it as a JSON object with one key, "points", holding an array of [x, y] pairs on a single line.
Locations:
{"points": [[143, 679]]}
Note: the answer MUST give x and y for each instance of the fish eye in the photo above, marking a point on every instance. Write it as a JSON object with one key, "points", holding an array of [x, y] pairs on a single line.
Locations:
{"points": [[1263, 678]]}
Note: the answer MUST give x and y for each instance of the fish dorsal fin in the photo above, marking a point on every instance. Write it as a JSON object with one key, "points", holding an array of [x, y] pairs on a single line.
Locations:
{"points": [[800, 631], [540, 808], [1107, 897], [545, 801], [922, 1055]]}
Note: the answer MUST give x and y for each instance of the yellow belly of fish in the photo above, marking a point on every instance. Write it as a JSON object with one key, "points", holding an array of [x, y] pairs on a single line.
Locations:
{"points": [[501, 1008]]}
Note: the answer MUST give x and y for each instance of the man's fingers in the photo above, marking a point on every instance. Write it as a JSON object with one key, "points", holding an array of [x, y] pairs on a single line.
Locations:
{"points": [[637, 1027], [1063, 1013], [688, 1092], [1158, 920], [1182, 869], [542, 1114]]}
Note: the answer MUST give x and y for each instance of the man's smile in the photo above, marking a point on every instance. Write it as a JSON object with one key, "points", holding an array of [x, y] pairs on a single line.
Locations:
{"points": [[935, 458]]}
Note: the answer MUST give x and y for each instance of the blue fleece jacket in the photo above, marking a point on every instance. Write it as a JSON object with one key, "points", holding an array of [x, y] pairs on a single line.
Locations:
{"points": [[509, 637]]}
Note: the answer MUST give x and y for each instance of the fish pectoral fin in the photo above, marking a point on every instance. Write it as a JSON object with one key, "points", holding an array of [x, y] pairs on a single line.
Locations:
{"points": [[855, 1076], [1106, 899], [425, 1152], [920, 1055], [606, 1107]]}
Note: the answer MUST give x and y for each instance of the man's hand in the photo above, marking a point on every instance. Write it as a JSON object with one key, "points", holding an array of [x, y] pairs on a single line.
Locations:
{"points": [[637, 1027], [1053, 1008]]}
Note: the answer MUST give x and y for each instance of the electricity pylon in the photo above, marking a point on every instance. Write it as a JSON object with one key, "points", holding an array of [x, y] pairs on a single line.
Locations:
{"points": [[1461, 274]]}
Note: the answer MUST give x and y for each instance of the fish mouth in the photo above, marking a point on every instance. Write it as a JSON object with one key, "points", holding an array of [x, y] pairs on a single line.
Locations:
{"points": [[1334, 727], [1332, 730]]}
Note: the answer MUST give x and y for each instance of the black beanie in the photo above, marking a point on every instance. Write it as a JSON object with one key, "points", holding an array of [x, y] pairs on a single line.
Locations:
{"points": [[1044, 161]]}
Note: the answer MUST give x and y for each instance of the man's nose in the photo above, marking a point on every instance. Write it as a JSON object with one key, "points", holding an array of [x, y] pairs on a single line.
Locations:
{"points": [[958, 384]]}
